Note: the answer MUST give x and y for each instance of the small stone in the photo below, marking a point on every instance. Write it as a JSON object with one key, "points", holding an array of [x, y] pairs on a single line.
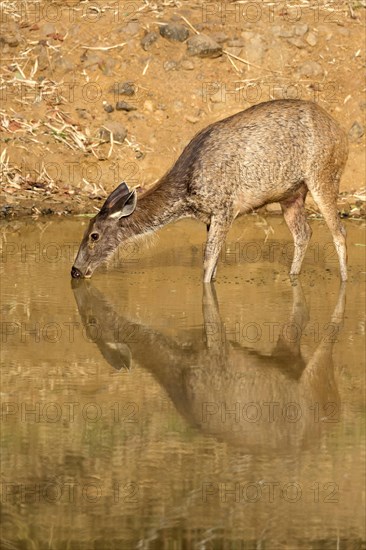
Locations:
{"points": [[255, 49], [220, 37], [310, 69], [325, 30], [108, 65], [311, 39], [174, 31], [118, 131], [192, 119], [148, 40], [296, 41], [236, 43], [90, 59], [300, 29], [187, 65], [108, 108], [63, 63], [170, 66], [136, 116], [123, 88], [277, 30], [149, 106], [202, 45], [48, 28], [83, 113], [356, 132], [178, 106], [343, 31], [43, 62], [123, 106], [217, 97], [9, 39], [274, 208], [131, 28]]}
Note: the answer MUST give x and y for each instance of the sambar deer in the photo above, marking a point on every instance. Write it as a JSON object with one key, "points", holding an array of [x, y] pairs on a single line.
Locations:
{"points": [[272, 152]]}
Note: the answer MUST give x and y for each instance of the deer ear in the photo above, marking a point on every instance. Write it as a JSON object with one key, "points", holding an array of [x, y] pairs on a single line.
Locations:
{"points": [[124, 207], [115, 204], [122, 191]]}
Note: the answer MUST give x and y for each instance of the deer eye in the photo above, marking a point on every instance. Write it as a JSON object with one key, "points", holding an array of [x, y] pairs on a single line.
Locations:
{"points": [[94, 236]]}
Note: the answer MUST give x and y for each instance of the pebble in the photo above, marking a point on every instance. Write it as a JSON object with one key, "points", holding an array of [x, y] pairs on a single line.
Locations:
{"points": [[325, 30], [9, 39], [300, 29], [63, 63], [148, 40], [310, 69], [123, 88], [174, 31], [83, 113], [90, 59], [311, 39], [235, 43], [296, 41], [123, 106], [356, 132], [277, 30], [202, 45], [170, 66], [136, 116], [220, 37], [274, 208], [108, 65], [113, 127], [187, 65], [108, 108], [132, 28], [178, 106], [149, 106], [255, 48], [48, 28], [43, 62], [192, 119]]}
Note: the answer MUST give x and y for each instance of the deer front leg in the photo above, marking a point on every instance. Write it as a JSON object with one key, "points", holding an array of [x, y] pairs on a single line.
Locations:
{"points": [[217, 231]]}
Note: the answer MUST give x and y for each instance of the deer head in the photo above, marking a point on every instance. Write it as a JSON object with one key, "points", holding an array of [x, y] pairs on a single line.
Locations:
{"points": [[105, 231]]}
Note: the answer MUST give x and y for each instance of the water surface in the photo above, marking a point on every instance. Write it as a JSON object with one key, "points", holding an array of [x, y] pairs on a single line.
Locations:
{"points": [[143, 409]]}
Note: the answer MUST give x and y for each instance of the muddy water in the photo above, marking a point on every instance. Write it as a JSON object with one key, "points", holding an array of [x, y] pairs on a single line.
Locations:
{"points": [[141, 410]]}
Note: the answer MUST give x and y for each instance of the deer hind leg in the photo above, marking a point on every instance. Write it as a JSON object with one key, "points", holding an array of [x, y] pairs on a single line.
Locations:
{"points": [[325, 197], [295, 216], [217, 231]]}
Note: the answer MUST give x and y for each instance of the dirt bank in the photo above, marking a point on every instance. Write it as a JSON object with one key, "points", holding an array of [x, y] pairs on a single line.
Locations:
{"points": [[152, 74]]}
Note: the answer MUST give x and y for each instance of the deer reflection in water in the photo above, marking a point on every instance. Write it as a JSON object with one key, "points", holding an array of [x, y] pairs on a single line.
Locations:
{"points": [[260, 402]]}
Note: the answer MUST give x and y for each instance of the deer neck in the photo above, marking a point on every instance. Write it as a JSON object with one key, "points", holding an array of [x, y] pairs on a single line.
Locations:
{"points": [[163, 204]]}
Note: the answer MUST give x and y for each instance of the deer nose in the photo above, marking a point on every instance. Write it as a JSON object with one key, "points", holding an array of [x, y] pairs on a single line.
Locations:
{"points": [[75, 273]]}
